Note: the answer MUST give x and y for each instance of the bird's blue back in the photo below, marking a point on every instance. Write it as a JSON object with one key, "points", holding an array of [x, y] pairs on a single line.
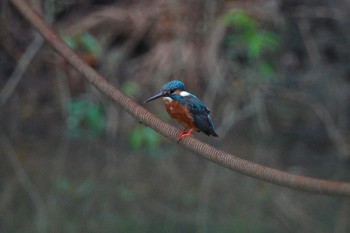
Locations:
{"points": [[200, 113]]}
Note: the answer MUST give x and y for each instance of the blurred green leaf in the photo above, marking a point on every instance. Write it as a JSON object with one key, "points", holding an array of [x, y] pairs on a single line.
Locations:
{"points": [[239, 225], [70, 42], [95, 118], [256, 40], [85, 118], [90, 43], [85, 188], [248, 40], [136, 139], [240, 19], [255, 46], [267, 69], [261, 41], [125, 193], [144, 137], [130, 88], [270, 39], [85, 42], [63, 185], [130, 224], [152, 138]]}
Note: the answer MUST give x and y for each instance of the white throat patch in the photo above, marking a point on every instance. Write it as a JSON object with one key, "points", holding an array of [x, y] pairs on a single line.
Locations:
{"points": [[184, 93], [167, 99]]}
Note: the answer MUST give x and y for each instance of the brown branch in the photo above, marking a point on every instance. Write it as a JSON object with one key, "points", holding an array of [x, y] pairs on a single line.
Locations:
{"points": [[220, 157]]}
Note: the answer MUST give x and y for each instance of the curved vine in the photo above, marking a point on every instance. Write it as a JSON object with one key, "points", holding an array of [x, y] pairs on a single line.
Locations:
{"points": [[225, 159]]}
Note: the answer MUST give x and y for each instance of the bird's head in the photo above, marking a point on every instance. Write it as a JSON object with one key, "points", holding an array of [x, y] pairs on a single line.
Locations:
{"points": [[168, 89]]}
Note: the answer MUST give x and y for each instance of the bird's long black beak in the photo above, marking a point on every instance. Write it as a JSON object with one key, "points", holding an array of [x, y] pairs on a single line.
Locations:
{"points": [[161, 94]]}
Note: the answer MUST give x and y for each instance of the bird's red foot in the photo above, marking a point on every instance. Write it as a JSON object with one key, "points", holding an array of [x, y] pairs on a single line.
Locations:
{"points": [[184, 134]]}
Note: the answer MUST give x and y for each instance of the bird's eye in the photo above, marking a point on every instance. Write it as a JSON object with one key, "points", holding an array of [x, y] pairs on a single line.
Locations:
{"points": [[172, 91]]}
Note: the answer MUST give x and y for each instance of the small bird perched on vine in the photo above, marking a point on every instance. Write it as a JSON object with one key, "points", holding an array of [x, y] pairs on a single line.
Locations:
{"points": [[186, 109]]}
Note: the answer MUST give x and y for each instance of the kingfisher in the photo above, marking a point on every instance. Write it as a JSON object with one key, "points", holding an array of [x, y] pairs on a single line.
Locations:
{"points": [[186, 109]]}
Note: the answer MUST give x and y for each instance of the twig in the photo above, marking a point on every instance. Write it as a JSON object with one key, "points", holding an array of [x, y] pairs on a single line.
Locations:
{"points": [[21, 67], [309, 41], [27, 184], [25, 59], [325, 116]]}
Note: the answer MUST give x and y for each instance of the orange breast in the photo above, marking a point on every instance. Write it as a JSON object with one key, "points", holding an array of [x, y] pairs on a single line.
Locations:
{"points": [[180, 113]]}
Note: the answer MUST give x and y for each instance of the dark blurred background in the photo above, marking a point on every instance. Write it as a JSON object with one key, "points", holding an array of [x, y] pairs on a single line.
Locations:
{"points": [[276, 75]]}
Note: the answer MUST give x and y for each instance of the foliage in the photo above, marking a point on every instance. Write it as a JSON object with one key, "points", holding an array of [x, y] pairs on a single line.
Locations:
{"points": [[143, 137], [85, 119], [130, 88], [85, 42], [248, 34], [65, 186]]}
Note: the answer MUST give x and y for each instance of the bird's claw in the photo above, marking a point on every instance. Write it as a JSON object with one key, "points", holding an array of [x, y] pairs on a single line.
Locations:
{"points": [[184, 134]]}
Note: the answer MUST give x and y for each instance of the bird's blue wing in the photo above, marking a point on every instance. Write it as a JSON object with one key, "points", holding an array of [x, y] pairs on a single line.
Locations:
{"points": [[205, 124], [199, 112]]}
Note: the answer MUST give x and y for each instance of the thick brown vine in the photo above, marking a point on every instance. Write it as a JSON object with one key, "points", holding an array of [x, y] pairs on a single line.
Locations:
{"points": [[217, 156]]}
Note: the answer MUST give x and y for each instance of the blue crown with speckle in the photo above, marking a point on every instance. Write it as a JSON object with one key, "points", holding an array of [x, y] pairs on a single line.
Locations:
{"points": [[174, 85]]}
